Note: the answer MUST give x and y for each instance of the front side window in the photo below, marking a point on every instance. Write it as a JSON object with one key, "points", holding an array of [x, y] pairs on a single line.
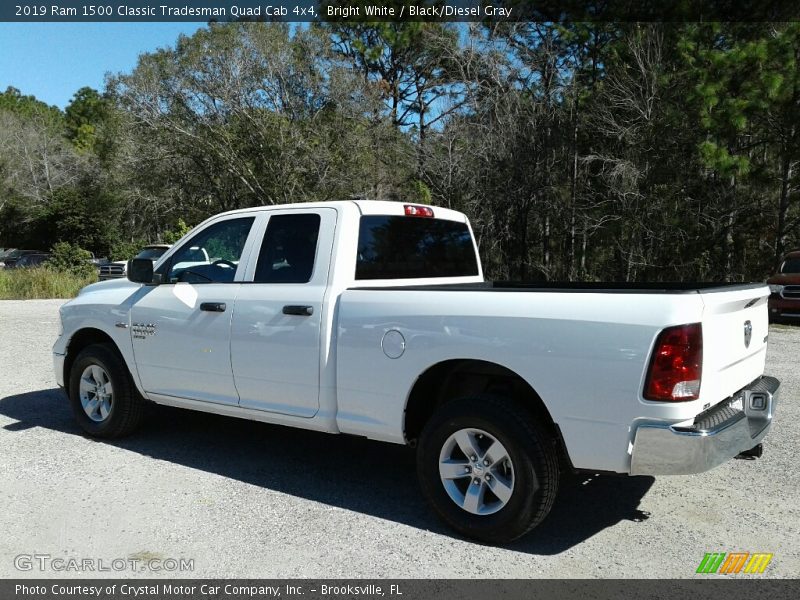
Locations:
{"points": [[288, 250], [211, 256]]}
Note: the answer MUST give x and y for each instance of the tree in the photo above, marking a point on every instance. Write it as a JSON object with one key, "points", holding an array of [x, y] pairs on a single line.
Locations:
{"points": [[748, 84], [85, 114], [597, 151], [413, 65], [36, 159], [243, 114]]}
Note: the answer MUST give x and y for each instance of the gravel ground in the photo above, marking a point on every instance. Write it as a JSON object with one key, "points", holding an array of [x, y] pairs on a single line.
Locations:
{"points": [[250, 500]]}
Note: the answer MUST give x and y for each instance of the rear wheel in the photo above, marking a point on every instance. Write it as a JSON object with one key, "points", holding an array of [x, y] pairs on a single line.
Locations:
{"points": [[487, 468], [103, 398]]}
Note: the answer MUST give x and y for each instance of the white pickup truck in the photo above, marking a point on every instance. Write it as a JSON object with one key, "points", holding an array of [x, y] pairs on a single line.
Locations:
{"points": [[373, 319]]}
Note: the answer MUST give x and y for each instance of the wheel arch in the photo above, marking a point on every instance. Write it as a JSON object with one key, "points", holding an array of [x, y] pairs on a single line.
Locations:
{"points": [[460, 378], [84, 338]]}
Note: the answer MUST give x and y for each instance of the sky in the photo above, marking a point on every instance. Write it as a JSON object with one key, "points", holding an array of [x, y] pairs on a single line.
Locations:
{"points": [[52, 61]]}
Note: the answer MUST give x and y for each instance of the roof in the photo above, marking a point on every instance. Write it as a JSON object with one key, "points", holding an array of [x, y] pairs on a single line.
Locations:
{"points": [[365, 207]]}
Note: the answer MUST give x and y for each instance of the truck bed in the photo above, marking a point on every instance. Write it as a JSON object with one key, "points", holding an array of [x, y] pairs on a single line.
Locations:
{"points": [[583, 347]]}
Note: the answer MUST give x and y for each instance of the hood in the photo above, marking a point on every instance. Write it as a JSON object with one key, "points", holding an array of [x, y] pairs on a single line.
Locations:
{"points": [[111, 284], [109, 293], [785, 279]]}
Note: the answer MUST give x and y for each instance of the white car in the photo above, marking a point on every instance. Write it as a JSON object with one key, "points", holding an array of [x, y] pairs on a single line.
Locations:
{"points": [[373, 319]]}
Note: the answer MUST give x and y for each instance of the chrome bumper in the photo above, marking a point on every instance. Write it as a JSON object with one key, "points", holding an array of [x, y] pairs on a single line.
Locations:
{"points": [[715, 436]]}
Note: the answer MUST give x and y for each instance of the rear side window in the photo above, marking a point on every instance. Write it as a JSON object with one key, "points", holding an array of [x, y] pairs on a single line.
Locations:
{"points": [[392, 247], [288, 249]]}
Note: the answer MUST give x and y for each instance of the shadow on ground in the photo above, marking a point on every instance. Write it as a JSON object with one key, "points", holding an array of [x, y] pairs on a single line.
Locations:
{"points": [[348, 472]]}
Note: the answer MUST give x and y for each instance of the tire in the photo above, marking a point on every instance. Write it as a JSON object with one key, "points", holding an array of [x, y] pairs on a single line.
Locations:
{"points": [[526, 488], [103, 410]]}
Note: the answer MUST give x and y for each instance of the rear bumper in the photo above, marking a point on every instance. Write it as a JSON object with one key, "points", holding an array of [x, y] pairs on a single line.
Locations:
{"points": [[712, 438]]}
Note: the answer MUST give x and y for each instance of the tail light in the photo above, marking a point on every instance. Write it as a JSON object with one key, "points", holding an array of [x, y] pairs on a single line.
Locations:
{"points": [[676, 367], [413, 210]]}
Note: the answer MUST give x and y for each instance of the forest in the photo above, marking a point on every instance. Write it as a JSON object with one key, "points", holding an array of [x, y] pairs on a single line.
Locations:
{"points": [[580, 151]]}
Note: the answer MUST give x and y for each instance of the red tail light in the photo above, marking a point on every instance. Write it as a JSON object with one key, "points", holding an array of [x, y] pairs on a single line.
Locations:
{"points": [[413, 210], [676, 367]]}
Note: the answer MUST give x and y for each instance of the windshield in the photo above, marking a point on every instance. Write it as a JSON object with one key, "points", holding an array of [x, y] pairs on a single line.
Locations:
{"points": [[791, 265], [152, 253]]}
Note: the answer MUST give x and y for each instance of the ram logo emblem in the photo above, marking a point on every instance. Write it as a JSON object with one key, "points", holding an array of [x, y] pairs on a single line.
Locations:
{"points": [[748, 333]]}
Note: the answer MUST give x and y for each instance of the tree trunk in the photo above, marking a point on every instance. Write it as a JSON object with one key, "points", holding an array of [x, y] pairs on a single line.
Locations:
{"points": [[729, 234], [546, 244], [573, 194], [783, 208]]}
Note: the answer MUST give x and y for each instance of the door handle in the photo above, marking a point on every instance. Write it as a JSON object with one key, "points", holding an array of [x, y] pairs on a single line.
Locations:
{"points": [[295, 309], [213, 306]]}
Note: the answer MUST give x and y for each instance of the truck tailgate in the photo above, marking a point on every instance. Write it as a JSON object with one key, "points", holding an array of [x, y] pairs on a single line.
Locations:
{"points": [[735, 329]]}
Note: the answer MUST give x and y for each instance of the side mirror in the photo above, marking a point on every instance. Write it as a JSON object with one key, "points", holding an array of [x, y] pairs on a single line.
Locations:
{"points": [[140, 270]]}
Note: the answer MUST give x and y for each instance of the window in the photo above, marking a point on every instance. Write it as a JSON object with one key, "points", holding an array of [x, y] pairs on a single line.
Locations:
{"points": [[288, 250], [212, 255], [412, 247], [791, 265], [152, 253]]}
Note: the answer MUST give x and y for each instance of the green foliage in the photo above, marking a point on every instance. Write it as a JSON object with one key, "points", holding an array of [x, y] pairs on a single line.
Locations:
{"points": [[123, 250], [13, 101], [721, 160], [170, 236], [67, 258], [79, 215], [422, 193], [30, 284], [84, 114]]}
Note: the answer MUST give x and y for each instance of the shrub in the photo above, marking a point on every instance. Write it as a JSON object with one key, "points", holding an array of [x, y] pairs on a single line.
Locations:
{"points": [[126, 250], [68, 258], [171, 236]]}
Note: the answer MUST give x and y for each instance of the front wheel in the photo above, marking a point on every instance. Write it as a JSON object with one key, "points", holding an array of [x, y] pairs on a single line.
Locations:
{"points": [[487, 468], [104, 400]]}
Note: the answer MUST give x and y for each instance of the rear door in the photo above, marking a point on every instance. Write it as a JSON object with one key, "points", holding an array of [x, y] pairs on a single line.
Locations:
{"points": [[276, 329], [735, 329]]}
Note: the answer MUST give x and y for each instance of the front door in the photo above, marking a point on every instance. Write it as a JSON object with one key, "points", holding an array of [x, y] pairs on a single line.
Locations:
{"points": [[181, 328]]}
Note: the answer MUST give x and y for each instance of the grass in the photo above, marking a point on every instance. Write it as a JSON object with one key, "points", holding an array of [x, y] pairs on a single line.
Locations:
{"points": [[30, 284]]}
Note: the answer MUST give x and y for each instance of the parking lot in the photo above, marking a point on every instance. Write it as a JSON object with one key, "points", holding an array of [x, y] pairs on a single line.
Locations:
{"points": [[243, 499]]}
